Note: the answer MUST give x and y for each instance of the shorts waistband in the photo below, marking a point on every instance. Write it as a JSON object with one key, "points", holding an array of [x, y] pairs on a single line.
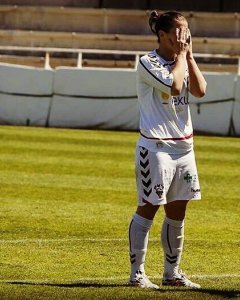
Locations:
{"points": [[168, 139]]}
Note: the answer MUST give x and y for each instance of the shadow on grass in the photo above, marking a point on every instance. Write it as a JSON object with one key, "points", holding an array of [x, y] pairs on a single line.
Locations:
{"points": [[227, 294], [70, 285]]}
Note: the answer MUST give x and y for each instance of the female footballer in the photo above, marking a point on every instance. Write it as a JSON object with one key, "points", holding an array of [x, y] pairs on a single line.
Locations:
{"points": [[166, 172]]}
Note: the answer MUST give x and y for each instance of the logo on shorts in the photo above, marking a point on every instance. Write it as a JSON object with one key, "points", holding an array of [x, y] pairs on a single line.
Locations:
{"points": [[188, 177], [159, 189], [195, 190]]}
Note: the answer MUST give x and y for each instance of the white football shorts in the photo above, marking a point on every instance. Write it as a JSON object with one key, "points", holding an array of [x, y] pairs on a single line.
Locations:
{"points": [[162, 178]]}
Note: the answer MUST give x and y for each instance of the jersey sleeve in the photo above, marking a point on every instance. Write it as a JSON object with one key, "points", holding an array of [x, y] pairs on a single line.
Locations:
{"points": [[152, 72]]}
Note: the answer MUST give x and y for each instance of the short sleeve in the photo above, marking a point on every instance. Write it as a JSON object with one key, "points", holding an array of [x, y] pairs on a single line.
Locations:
{"points": [[155, 74]]}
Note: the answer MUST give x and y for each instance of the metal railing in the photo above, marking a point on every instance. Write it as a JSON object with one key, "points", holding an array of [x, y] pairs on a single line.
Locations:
{"points": [[48, 51]]}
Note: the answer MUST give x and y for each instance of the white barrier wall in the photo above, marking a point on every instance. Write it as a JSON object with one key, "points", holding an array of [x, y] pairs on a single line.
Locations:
{"points": [[236, 108], [25, 94], [104, 99], [97, 98], [213, 112]]}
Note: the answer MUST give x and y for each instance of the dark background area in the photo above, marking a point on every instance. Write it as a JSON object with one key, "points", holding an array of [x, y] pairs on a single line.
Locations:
{"points": [[182, 5]]}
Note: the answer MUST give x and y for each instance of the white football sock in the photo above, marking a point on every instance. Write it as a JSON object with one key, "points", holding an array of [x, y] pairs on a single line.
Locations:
{"points": [[172, 241], [138, 241]]}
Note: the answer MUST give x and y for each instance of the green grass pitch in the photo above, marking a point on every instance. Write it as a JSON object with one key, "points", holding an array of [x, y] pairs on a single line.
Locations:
{"points": [[67, 197]]}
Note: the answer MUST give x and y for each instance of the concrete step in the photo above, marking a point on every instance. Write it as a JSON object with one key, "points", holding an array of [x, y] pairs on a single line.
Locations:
{"points": [[67, 19], [109, 41]]}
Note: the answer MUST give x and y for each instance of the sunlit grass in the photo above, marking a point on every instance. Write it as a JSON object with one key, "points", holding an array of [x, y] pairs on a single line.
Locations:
{"points": [[67, 197]]}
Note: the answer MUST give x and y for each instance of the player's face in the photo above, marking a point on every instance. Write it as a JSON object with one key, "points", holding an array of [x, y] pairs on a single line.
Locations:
{"points": [[170, 38]]}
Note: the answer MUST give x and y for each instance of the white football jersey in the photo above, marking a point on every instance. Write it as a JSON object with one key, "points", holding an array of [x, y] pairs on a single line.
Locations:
{"points": [[165, 120]]}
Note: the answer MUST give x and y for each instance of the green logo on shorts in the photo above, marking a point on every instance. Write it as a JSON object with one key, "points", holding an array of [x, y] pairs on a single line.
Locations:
{"points": [[188, 177]]}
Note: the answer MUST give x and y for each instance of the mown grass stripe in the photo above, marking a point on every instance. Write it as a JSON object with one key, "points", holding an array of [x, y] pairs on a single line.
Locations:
{"points": [[23, 241], [67, 181]]}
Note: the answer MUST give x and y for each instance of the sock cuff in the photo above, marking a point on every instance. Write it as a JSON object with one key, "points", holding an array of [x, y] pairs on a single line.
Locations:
{"points": [[142, 221], [174, 223]]}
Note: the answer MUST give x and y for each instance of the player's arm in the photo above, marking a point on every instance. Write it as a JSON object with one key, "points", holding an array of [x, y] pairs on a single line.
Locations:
{"points": [[178, 71], [197, 83]]}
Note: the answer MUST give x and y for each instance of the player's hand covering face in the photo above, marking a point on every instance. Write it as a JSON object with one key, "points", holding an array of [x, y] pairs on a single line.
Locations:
{"points": [[179, 37]]}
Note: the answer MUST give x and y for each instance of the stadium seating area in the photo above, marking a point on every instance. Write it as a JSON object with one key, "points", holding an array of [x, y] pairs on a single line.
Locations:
{"points": [[112, 25]]}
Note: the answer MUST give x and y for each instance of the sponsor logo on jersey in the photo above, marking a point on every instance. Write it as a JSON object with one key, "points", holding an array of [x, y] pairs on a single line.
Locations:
{"points": [[180, 100]]}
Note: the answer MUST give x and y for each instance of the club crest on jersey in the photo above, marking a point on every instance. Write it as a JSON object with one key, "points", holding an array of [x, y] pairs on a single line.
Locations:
{"points": [[165, 96], [159, 189]]}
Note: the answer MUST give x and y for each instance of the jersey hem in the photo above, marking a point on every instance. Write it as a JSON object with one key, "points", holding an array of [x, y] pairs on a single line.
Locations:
{"points": [[168, 139]]}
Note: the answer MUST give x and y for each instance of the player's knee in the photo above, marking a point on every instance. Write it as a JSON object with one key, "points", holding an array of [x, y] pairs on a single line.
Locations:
{"points": [[147, 211], [176, 210]]}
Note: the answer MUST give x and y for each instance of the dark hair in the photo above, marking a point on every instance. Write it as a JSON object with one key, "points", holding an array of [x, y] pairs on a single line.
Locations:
{"points": [[163, 21]]}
